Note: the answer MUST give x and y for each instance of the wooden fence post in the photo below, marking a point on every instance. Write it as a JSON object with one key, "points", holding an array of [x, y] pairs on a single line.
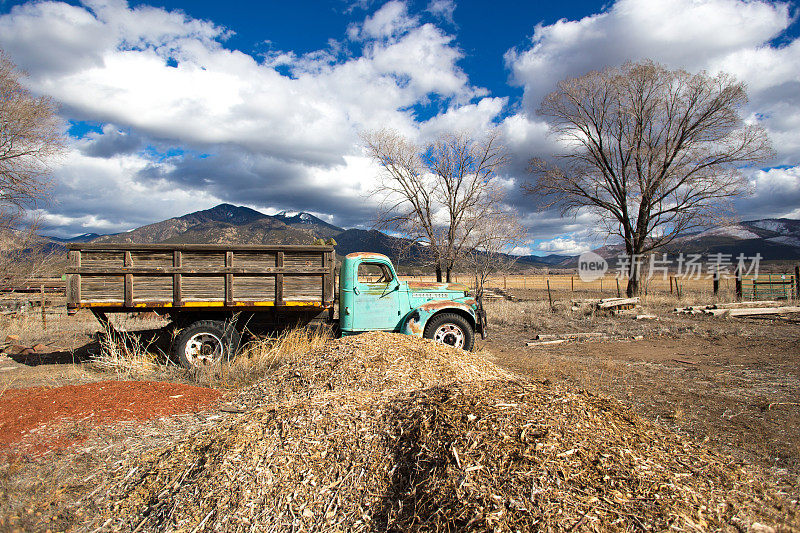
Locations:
{"points": [[670, 284], [738, 288], [715, 283], [618, 293], [44, 316], [505, 286], [572, 283], [549, 296], [797, 281], [127, 287]]}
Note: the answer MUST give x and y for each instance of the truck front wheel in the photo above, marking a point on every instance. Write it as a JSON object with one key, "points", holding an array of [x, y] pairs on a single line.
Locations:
{"points": [[452, 329], [205, 343]]}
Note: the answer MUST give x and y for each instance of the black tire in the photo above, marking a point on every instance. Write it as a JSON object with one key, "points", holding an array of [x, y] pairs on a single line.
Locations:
{"points": [[451, 321], [219, 341]]}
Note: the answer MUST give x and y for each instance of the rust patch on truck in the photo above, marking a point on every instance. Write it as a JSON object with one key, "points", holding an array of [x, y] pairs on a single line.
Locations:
{"points": [[435, 285], [365, 255], [439, 305], [413, 324]]}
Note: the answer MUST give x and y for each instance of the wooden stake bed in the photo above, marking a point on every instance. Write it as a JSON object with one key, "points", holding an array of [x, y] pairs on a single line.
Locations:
{"points": [[121, 277]]}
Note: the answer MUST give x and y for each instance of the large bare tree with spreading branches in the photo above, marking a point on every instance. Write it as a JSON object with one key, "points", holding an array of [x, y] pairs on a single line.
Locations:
{"points": [[437, 194], [30, 137], [652, 152]]}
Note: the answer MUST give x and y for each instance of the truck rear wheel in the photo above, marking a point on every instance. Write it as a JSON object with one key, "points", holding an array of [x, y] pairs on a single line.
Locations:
{"points": [[205, 343], [452, 329]]}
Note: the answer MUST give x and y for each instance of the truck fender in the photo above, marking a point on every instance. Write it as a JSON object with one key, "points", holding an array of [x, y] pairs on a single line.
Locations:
{"points": [[414, 323]]}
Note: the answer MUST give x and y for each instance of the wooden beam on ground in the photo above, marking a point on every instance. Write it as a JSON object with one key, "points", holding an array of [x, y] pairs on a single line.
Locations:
{"points": [[555, 336], [764, 311], [544, 343], [618, 302]]}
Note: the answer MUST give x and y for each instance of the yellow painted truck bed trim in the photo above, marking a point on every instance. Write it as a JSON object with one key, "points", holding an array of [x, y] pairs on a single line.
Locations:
{"points": [[159, 304]]}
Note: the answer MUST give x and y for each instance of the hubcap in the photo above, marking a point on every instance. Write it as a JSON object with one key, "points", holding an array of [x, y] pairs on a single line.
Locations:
{"points": [[449, 334], [203, 349]]}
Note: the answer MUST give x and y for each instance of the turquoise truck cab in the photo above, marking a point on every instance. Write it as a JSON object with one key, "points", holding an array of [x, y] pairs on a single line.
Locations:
{"points": [[373, 298]]}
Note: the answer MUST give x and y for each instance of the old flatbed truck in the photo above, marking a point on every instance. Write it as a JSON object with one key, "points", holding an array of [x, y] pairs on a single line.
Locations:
{"points": [[212, 292]]}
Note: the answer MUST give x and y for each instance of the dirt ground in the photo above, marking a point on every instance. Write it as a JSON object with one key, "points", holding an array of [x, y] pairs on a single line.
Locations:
{"points": [[733, 383], [36, 420]]}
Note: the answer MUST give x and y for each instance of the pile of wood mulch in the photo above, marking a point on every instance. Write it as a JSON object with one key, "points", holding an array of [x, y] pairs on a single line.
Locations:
{"points": [[355, 445], [371, 362], [40, 419]]}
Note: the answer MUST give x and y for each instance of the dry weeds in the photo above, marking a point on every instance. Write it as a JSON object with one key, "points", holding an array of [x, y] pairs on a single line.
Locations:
{"points": [[262, 356], [129, 356]]}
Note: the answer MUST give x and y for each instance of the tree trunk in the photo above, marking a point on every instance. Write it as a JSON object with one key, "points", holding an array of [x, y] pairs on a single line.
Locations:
{"points": [[633, 286], [439, 273], [449, 270], [633, 277]]}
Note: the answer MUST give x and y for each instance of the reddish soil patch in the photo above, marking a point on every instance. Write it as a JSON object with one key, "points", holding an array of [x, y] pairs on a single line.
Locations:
{"points": [[38, 419]]}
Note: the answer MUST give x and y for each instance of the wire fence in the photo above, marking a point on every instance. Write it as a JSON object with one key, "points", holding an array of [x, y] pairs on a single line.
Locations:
{"points": [[765, 286]]}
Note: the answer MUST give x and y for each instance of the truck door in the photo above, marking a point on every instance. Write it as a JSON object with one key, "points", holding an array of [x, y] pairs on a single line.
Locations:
{"points": [[376, 298]]}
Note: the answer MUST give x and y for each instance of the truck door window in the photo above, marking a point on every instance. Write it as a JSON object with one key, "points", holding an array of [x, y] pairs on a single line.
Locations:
{"points": [[374, 273]]}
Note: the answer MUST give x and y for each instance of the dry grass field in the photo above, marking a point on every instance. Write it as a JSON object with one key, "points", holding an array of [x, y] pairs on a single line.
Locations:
{"points": [[606, 286], [729, 384]]}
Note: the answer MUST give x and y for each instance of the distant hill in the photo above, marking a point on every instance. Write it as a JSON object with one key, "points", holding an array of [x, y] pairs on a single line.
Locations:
{"points": [[172, 229], [86, 237], [540, 261], [225, 223], [228, 223], [773, 238], [263, 231], [308, 221], [359, 240]]}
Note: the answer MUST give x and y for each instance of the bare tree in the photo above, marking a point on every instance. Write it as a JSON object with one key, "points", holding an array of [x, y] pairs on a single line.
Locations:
{"points": [[487, 252], [652, 152], [438, 193], [30, 137]]}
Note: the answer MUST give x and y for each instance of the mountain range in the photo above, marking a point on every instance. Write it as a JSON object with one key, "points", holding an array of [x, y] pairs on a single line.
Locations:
{"points": [[225, 223], [773, 238]]}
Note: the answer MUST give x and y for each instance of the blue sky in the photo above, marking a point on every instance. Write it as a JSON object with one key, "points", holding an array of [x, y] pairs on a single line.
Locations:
{"points": [[177, 106]]}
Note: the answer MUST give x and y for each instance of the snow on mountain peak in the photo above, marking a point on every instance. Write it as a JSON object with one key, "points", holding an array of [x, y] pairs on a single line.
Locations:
{"points": [[777, 226], [736, 231]]}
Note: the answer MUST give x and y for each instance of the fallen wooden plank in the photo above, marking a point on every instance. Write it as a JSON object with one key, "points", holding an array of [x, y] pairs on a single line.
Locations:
{"points": [[727, 305], [586, 301], [646, 317], [763, 311], [734, 305], [542, 343], [618, 302], [554, 336]]}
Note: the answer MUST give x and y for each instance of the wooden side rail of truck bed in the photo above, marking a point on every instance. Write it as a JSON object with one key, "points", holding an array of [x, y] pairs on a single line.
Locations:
{"points": [[139, 277]]}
